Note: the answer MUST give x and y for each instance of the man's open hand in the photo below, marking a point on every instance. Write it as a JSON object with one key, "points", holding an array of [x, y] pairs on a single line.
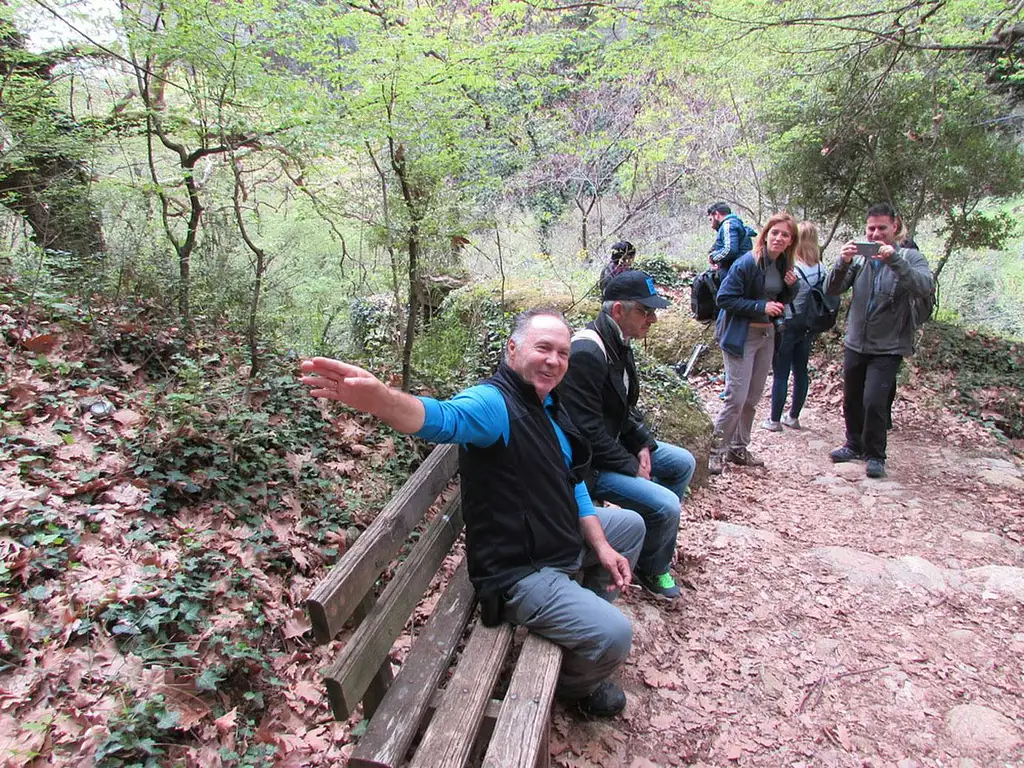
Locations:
{"points": [[343, 382]]}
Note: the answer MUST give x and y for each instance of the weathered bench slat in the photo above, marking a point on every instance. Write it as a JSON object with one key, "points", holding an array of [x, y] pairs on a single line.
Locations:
{"points": [[522, 727], [393, 728], [349, 675], [452, 731], [336, 597]]}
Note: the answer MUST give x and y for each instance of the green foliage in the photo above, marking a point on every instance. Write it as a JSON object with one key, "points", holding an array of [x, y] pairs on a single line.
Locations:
{"points": [[986, 372], [464, 343], [138, 734], [664, 272], [375, 330], [48, 539]]}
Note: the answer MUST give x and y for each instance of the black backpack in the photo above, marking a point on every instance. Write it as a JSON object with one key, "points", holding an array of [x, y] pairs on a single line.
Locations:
{"points": [[922, 308], [820, 311], [702, 295]]}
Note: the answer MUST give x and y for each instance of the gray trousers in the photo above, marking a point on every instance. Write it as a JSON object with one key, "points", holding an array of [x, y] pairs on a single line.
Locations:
{"points": [[744, 386], [595, 634]]}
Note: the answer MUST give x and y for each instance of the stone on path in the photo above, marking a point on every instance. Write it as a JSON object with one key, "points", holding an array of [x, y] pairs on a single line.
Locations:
{"points": [[728, 531], [975, 727], [1000, 580], [983, 539], [850, 470], [865, 568], [860, 567], [916, 570]]}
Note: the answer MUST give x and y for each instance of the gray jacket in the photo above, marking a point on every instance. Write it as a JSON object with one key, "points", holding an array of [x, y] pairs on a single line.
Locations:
{"points": [[880, 320]]}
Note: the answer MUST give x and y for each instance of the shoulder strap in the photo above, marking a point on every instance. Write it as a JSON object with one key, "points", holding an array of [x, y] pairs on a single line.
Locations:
{"points": [[589, 334], [821, 277]]}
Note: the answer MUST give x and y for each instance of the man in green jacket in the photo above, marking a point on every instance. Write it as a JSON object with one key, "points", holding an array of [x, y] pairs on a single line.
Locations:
{"points": [[887, 282]]}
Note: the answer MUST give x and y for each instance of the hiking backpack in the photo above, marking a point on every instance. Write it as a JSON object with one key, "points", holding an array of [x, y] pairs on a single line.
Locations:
{"points": [[922, 308], [703, 291], [820, 310]]}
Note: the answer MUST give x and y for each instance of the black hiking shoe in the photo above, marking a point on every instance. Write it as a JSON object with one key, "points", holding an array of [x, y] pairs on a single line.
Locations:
{"points": [[876, 468], [607, 700], [844, 453]]}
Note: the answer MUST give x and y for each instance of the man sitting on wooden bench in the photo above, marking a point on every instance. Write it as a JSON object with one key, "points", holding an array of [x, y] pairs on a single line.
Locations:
{"points": [[531, 527]]}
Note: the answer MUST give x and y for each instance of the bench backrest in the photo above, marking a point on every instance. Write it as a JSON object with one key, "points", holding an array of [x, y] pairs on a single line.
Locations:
{"points": [[347, 591]]}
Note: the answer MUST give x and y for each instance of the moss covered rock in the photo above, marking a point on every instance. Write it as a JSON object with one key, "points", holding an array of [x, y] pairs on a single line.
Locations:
{"points": [[674, 412], [672, 338]]}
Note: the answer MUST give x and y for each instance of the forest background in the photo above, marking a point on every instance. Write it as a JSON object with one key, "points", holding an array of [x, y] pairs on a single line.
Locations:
{"points": [[193, 193], [264, 166]]}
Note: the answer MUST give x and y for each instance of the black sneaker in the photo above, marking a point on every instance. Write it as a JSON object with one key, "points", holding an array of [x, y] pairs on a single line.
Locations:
{"points": [[662, 586], [876, 468], [844, 453], [607, 700]]}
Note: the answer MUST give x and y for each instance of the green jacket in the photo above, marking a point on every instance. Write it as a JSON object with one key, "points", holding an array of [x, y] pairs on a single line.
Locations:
{"points": [[881, 318]]}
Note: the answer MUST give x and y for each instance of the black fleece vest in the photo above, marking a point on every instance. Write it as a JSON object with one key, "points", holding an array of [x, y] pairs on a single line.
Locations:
{"points": [[518, 500]]}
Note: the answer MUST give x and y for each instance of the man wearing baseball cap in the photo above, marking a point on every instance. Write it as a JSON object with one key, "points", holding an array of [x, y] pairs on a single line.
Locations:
{"points": [[600, 392]]}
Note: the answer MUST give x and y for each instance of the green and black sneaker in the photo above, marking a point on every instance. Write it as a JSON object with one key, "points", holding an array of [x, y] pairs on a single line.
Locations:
{"points": [[662, 585]]}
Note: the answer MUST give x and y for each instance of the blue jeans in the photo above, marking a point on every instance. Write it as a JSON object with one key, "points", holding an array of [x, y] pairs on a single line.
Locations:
{"points": [[657, 500], [793, 353]]}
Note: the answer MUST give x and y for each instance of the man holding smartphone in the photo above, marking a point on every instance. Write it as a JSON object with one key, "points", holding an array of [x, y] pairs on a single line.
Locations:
{"points": [[879, 330]]}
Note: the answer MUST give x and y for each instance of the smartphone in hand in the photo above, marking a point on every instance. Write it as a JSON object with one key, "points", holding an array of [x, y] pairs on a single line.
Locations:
{"points": [[868, 250]]}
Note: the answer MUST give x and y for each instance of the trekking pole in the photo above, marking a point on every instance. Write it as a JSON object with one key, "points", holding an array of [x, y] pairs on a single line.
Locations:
{"points": [[698, 349]]}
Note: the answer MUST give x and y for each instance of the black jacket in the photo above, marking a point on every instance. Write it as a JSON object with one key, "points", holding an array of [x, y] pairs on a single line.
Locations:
{"points": [[599, 403], [518, 499]]}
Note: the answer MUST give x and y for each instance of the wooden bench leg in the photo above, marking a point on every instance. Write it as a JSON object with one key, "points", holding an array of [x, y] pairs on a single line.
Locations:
{"points": [[382, 680], [544, 753]]}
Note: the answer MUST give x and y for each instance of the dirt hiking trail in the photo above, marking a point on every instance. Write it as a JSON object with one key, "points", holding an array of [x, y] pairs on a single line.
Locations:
{"points": [[834, 620]]}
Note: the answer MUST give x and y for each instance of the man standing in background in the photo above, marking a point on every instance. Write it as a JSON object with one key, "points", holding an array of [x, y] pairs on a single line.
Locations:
{"points": [[732, 237], [887, 281]]}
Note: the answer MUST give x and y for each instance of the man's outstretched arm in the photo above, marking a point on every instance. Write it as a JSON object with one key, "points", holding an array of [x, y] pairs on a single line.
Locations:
{"points": [[360, 389], [476, 416]]}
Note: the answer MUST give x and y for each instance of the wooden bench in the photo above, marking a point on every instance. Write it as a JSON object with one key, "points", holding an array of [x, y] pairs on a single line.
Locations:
{"points": [[452, 719]]}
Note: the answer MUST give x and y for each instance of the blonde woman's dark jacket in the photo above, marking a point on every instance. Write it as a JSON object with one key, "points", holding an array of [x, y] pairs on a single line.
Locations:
{"points": [[741, 300]]}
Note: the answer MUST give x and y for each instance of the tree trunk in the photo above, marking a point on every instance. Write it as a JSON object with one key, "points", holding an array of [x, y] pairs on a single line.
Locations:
{"points": [[39, 180], [409, 196], [947, 251]]}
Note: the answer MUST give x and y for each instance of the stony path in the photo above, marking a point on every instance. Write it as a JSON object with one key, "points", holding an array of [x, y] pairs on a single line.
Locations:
{"points": [[835, 620]]}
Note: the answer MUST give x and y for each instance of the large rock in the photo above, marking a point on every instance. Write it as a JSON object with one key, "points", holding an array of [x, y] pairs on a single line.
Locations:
{"points": [[671, 340], [674, 413], [999, 581], [976, 728]]}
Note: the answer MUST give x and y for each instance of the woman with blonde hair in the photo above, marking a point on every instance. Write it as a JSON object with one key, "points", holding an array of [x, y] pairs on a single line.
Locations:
{"points": [[751, 302], [794, 349]]}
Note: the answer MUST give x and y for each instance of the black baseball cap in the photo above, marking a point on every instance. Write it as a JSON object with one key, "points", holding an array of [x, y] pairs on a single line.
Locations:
{"points": [[634, 285]]}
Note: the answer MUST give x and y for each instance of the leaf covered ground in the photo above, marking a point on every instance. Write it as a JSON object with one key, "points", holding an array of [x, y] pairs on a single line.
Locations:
{"points": [[162, 520]]}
